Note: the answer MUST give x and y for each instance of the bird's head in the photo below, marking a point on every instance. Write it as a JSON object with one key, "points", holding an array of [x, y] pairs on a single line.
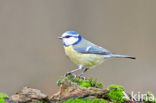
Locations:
{"points": [[70, 38]]}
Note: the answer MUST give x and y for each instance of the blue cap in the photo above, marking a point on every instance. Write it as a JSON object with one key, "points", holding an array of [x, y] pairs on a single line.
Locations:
{"points": [[71, 32]]}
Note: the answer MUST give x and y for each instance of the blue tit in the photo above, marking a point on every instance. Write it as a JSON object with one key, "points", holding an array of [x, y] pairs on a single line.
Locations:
{"points": [[84, 53]]}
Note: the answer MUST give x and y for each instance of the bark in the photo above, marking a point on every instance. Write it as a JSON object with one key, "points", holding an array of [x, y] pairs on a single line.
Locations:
{"points": [[66, 91]]}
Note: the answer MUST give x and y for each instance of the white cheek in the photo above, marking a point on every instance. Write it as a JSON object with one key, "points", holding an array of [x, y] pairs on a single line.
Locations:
{"points": [[70, 41]]}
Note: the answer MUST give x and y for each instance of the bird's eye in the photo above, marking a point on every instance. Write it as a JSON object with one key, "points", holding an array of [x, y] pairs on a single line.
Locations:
{"points": [[68, 36]]}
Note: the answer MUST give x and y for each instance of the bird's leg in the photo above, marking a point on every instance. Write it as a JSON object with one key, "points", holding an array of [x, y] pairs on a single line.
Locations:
{"points": [[81, 74], [72, 72]]}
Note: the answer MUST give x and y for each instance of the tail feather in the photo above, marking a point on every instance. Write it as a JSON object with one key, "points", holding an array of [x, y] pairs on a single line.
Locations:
{"points": [[122, 56]]}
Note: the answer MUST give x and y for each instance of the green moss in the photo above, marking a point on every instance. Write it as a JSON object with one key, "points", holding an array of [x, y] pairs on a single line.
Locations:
{"points": [[79, 100], [2, 97], [116, 94], [149, 98], [84, 83], [40, 102], [59, 81]]}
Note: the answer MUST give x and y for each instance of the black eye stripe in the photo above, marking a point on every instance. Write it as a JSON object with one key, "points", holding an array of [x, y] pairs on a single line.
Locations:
{"points": [[68, 36]]}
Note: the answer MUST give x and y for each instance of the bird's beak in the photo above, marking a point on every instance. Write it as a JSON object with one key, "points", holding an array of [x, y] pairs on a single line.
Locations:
{"points": [[60, 37]]}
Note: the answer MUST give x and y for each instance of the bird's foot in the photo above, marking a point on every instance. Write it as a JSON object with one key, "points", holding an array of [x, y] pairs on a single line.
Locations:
{"points": [[81, 76], [70, 73]]}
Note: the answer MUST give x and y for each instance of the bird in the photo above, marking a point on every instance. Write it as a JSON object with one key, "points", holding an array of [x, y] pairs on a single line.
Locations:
{"points": [[85, 53]]}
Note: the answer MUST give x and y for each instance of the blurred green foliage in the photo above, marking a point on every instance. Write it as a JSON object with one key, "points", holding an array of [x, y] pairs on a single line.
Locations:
{"points": [[3, 97]]}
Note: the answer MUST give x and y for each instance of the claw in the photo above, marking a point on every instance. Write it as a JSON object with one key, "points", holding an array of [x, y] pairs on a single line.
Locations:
{"points": [[69, 73], [81, 76]]}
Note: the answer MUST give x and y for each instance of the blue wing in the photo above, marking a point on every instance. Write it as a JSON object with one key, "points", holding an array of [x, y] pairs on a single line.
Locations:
{"points": [[93, 49]]}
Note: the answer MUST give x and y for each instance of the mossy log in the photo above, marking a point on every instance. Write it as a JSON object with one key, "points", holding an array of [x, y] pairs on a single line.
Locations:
{"points": [[70, 89], [73, 90]]}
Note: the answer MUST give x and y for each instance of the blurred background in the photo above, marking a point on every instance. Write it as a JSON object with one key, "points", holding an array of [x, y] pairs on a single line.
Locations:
{"points": [[31, 55]]}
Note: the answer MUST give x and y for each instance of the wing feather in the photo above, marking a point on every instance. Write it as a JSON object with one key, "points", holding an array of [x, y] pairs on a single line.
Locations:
{"points": [[92, 50], [86, 47]]}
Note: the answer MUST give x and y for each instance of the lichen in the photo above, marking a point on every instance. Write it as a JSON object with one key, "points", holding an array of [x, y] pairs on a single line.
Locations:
{"points": [[81, 100], [83, 83], [3, 97], [116, 94]]}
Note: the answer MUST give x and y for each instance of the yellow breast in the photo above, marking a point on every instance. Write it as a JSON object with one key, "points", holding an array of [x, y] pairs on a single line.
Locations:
{"points": [[87, 60]]}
